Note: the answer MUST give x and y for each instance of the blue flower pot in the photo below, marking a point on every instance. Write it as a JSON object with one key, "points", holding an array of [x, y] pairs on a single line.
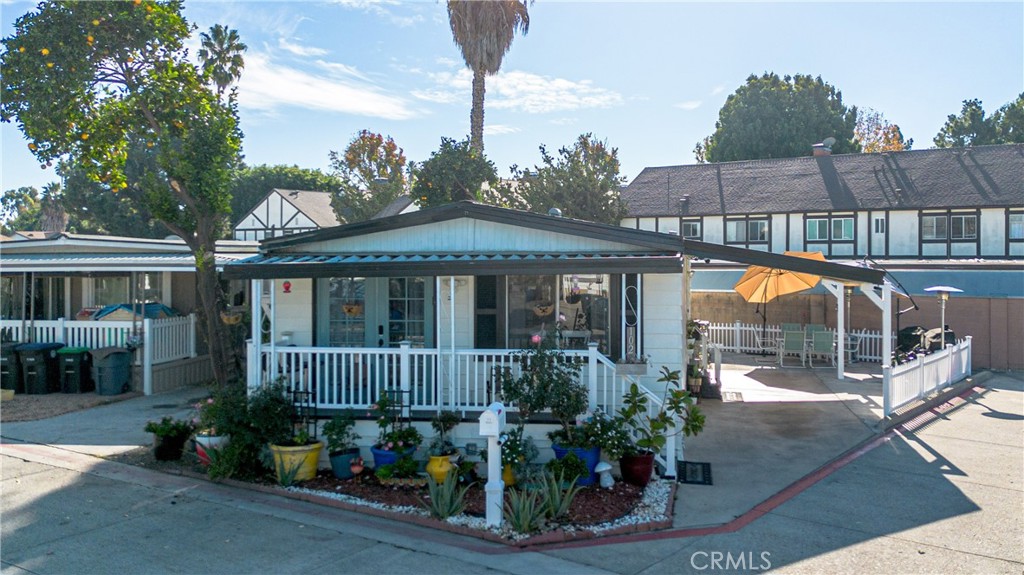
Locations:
{"points": [[385, 457], [590, 455]]}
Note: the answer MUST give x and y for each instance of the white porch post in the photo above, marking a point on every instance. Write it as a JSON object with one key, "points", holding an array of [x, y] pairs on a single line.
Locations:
{"points": [[405, 374], [273, 330], [255, 363], [841, 328], [147, 356], [886, 323], [592, 375], [451, 363], [192, 335]]}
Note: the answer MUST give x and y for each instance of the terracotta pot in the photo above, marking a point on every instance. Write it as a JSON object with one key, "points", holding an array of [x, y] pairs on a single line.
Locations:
{"points": [[637, 469]]}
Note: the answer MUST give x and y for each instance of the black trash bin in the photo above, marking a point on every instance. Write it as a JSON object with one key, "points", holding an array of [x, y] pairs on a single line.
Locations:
{"points": [[10, 367], [75, 376], [111, 368], [39, 367]]}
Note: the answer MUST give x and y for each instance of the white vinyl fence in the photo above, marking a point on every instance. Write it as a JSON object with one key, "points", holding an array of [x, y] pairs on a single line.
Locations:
{"points": [[917, 379], [742, 338]]}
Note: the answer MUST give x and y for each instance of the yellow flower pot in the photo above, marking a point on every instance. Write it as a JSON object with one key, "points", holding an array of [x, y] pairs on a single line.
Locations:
{"points": [[508, 475], [304, 458], [438, 467]]}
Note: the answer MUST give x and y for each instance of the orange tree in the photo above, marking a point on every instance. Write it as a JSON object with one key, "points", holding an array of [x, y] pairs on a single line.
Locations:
{"points": [[88, 81]]}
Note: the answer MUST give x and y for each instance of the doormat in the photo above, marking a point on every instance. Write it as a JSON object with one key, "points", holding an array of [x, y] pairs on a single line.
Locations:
{"points": [[693, 472]]}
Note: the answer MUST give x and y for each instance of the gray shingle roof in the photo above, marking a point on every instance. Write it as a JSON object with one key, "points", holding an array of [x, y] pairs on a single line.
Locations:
{"points": [[316, 205], [984, 176]]}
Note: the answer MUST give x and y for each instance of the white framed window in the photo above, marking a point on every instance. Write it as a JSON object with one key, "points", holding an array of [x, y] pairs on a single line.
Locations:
{"points": [[842, 228], [933, 227], [963, 227], [817, 229], [1015, 229], [757, 231], [736, 231], [751, 231], [691, 230]]}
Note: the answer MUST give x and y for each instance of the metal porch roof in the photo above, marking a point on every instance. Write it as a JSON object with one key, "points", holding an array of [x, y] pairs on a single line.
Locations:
{"points": [[64, 263]]}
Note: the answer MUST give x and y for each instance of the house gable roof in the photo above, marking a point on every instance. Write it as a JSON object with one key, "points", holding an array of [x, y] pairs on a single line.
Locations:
{"points": [[978, 177], [446, 240], [314, 205]]}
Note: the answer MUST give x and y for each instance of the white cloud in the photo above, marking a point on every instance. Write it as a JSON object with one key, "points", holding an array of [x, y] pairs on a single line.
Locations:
{"points": [[717, 90], [522, 91], [564, 121], [377, 7], [688, 105], [299, 50], [499, 129], [267, 85]]}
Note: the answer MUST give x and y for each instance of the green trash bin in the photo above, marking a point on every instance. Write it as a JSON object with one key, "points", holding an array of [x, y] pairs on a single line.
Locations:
{"points": [[10, 367], [111, 370], [39, 367], [75, 376]]}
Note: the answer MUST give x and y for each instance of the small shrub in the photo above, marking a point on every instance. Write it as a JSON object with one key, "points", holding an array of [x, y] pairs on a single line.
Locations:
{"points": [[445, 499], [385, 472], [569, 467], [524, 511]]}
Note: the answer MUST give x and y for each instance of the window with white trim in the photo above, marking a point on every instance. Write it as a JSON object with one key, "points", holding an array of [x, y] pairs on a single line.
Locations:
{"points": [[842, 229], [963, 227], [817, 229], [933, 227], [1015, 229], [691, 230]]}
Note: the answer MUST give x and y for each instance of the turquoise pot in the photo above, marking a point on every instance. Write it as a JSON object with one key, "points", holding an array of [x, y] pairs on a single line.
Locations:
{"points": [[590, 455]]}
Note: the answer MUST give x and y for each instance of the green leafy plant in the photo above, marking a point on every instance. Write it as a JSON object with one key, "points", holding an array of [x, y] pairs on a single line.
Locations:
{"points": [[598, 430], [518, 450], [340, 433], [395, 434], [445, 499], [385, 471], [558, 497], [524, 511], [286, 475], [569, 467], [442, 424], [169, 427], [652, 429]]}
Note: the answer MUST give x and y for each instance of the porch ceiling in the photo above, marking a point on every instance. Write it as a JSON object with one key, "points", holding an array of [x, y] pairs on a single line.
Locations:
{"points": [[383, 265]]}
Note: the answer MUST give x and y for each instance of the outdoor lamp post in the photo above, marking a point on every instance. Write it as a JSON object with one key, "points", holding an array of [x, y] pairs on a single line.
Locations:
{"points": [[943, 293]]}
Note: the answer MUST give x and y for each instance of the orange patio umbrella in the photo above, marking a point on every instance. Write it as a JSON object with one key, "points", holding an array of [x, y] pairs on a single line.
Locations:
{"points": [[762, 284]]}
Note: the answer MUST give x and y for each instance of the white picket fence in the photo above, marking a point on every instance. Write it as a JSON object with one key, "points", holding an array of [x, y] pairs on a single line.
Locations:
{"points": [[742, 338], [917, 379], [163, 340]]}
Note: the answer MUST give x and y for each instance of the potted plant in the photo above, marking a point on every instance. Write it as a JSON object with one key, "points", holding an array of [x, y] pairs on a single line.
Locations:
{"points": [[597, 435], [517, 452], [211, 420], [441, 448], [653, 426], [341, 444], [294, 451], [397, 438], [404, 471], [695, 379], [169, 437]]}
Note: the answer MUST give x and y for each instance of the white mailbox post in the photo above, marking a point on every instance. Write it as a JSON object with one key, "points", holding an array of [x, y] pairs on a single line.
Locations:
{"points": [[492, 426]]}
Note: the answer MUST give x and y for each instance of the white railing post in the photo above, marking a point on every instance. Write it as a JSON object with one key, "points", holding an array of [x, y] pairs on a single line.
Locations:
{"points": [[886, 390], [253, 367], [736, 337], [968, 368], [405, 374], [148, 343], [192, 335], [592, 375], [62, 335]]}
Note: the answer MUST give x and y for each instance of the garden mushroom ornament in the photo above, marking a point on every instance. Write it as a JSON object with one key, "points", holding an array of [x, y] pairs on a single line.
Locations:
{"points": [[604, 469]]}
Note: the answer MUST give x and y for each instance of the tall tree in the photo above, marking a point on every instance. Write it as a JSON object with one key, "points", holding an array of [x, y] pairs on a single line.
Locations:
{"points": [[19, 209], [773, 117], [972, 128], [250, 184], [875, 134], [483, 31], [583, 182], [86, 81], [52, 216], [94, 210], [454, 172], [221, 56], [372, 174]]}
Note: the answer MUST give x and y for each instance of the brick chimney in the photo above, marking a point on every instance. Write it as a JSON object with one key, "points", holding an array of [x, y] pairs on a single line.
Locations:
{"points": [[820, 149]]}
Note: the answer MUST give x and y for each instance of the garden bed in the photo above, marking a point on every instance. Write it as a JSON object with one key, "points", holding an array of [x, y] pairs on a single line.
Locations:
{"points": [[595, 511]]}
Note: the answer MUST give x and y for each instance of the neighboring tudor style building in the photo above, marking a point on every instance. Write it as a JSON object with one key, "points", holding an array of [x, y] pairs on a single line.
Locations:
{"points": [[930, 217]]}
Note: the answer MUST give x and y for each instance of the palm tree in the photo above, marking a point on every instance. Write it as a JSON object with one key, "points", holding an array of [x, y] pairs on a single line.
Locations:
{"points": [[483, 31], [52, 216], [221, 56]]}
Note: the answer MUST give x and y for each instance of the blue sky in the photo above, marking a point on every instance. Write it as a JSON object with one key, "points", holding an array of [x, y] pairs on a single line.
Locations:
{"points": [[649, 78]]}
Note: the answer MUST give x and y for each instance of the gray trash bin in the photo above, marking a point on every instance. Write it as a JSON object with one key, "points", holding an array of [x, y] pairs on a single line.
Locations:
{"points": [[111, 369]]}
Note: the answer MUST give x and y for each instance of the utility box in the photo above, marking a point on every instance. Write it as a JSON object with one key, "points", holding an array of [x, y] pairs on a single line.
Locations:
{"points": [[75, 376], [10, 367], [39, 367], [492, 420], [111, 370]]}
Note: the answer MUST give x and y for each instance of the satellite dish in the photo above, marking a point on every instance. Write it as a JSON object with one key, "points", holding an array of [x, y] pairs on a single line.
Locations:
{"points": [[829, 141]]}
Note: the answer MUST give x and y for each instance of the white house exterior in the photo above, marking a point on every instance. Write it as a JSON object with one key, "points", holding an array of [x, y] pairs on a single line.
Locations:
{"points": [[284, 212]]}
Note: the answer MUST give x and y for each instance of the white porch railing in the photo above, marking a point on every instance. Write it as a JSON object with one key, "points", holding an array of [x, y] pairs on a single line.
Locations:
{"points": [[915, 380], [167, 339], [742, 338], [430, 379]]}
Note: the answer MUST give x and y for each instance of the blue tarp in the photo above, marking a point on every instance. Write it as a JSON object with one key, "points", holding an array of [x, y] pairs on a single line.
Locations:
{"points": [[152, 310]]}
